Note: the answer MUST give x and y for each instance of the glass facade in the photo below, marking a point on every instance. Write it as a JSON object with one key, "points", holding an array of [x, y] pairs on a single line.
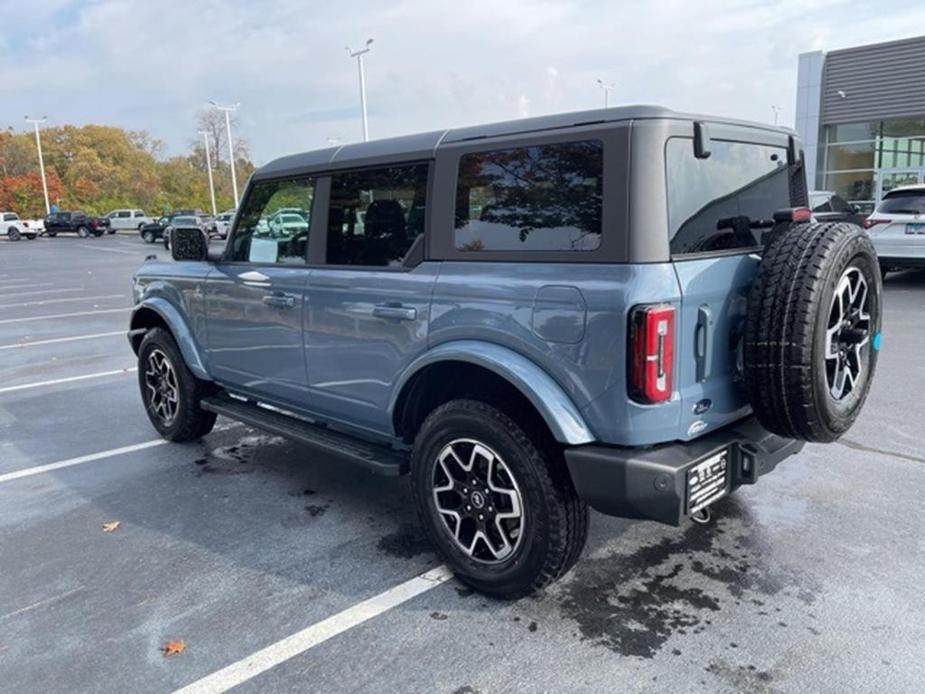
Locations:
{"points": [[862, 161]]}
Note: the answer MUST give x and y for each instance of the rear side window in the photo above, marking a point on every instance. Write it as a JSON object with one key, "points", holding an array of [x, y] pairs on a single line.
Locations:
{"points": [[274, 224], [540, 198], [376, 215], [723, 202], [904, 202]]}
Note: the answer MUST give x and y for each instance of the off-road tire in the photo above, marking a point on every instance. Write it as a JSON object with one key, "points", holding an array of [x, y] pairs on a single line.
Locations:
{"points": [[14, 234], [191, 421], [785, 335], [555, 525]]}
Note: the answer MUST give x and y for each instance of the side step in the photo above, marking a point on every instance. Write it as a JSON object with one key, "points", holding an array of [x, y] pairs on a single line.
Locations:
{"points": [[377, 458]]}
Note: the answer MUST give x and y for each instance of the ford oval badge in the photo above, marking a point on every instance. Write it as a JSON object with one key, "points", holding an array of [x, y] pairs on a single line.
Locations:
{"points": [[703, 406]]}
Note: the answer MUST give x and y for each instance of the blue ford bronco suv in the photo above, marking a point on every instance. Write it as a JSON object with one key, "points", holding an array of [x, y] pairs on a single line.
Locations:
{"points": [[629, 309]]}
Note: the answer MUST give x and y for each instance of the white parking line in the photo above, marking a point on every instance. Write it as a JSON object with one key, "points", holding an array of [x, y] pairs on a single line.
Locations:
{"points": [[25, 286], [28, 472], [110, 250], [42, 302], [56, 340], [53, 291], [64, 315], [291, 646], [69, 379]]}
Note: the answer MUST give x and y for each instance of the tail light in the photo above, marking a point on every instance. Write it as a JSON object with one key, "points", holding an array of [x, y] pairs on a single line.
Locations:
{"points": [[651, 349], [871, 223]]}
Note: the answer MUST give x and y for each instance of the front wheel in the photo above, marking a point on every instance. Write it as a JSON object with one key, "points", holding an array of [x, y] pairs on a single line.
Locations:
{"points": [[496, 501], [148, 237], [170, 392], [110, 231]]}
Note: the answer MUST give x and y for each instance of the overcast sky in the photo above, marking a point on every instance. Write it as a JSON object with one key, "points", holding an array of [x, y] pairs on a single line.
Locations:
{"points": [[151, 65]]}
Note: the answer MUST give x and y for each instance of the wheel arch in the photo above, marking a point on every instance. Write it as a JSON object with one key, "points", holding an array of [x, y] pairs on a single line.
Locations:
{"points": [[157, 312], [455, 369]]}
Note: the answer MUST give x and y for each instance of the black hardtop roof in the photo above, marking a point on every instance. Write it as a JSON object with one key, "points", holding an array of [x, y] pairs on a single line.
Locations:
{"points": [[424, 145]]}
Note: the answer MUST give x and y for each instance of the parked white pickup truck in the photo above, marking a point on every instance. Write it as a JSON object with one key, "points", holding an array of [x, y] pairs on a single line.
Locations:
{"points": [[15, 228]]}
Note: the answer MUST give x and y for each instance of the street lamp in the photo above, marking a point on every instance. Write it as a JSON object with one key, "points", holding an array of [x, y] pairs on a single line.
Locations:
{"points": [[228, 111], [205, 139], [776, 110], [38, 144], [606, 87], [359, 56]]}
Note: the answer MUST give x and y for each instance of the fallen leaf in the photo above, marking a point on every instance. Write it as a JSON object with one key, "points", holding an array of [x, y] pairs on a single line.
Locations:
{"points": [[173, 648], [109, 527]]}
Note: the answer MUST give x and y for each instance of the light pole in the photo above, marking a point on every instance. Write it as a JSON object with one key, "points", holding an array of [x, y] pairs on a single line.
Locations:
{"points": [[38, 144], [776, 110], [606, 87], [205, 139], [359, 56], [234, 179]]}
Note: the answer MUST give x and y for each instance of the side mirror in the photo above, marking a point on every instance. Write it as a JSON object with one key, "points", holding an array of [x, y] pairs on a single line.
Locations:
{"points": [[188, 243]]}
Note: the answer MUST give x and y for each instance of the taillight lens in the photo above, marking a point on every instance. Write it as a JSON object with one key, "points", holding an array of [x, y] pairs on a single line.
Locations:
{"points": [[651, 349], [870, 223]]}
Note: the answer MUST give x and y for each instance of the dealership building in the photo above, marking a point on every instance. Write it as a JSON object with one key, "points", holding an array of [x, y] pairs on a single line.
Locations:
{"points": [[861, 116]]}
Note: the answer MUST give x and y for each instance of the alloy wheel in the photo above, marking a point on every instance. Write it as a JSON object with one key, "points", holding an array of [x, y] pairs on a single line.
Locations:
{"points": [[478, 500], [161, 383], [847, 335]]}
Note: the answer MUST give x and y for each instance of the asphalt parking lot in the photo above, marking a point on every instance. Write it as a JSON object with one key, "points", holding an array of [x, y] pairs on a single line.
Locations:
{"points": [[809, 581]]}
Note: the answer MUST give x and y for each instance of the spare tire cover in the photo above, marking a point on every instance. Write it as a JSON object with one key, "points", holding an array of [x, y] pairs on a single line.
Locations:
{"points": [[812, 330]]}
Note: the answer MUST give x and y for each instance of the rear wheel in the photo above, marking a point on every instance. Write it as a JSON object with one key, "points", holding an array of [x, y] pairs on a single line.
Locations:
{"points": [[495, 500], [14, 234], [83, 232], [813, 331], [169, 390]]}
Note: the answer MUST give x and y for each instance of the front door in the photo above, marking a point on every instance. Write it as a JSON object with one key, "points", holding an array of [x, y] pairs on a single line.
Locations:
{"points": [[256, 298], [368, 304]]}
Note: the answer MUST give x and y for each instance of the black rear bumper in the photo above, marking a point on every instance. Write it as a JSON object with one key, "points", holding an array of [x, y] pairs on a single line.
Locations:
{"points": [[652, 483]]}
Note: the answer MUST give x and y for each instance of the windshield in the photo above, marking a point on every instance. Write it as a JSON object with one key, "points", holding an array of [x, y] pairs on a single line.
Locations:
{"points": [[903, 202]]}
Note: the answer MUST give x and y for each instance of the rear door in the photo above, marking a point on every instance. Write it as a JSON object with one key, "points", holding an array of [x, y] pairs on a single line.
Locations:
{"points": [[368, 306], [256, 299], [718, 208]]}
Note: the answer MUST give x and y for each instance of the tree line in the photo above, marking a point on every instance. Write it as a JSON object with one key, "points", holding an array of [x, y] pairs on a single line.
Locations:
{"points": [[99, 168]]}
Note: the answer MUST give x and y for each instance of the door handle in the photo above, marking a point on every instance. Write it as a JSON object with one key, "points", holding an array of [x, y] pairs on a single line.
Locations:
{"points": [[703, 341], [279, 300], [395, 312]]}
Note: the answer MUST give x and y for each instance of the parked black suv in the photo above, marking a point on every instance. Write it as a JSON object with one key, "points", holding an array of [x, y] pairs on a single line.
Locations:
{"points": [[77, 222]]}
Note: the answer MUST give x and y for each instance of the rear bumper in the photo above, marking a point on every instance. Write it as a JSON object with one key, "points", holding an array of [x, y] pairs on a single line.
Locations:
{"points": [[652, 483]]}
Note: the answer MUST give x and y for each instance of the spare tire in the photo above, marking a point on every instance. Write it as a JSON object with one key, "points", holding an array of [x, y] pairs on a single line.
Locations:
{"points": [[812, 331]]}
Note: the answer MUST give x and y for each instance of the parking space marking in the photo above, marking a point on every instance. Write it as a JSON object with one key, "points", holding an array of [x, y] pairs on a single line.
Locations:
{"points": [[80, 460], [25, 286], [291, 646], [64, 315], [56, 340], [69, 379], [42, 302], [109, 250], [53, 291]]}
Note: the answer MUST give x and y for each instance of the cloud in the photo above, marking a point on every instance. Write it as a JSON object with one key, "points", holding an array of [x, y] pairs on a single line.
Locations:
{"points": [[151, 65]]}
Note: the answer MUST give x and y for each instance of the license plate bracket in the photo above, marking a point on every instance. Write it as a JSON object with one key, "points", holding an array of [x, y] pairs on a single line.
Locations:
{"points": [[707, 481]]}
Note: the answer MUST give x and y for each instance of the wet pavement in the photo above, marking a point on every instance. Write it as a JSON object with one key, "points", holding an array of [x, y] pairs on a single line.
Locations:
{"points": [[808, 581]]}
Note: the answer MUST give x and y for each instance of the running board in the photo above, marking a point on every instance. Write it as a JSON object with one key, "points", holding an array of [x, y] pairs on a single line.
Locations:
{"points": [[377, 458]]}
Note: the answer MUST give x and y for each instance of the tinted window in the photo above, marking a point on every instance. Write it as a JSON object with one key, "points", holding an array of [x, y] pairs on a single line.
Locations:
{"points": [[123, 214], [715, 203], [540, 198], [260, 238], [9, 217], [375, 216], [904, 202]]}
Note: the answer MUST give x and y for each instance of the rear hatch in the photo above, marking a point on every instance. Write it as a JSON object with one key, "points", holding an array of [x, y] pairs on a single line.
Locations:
{"points": [[897, 228], [718, 209]]}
